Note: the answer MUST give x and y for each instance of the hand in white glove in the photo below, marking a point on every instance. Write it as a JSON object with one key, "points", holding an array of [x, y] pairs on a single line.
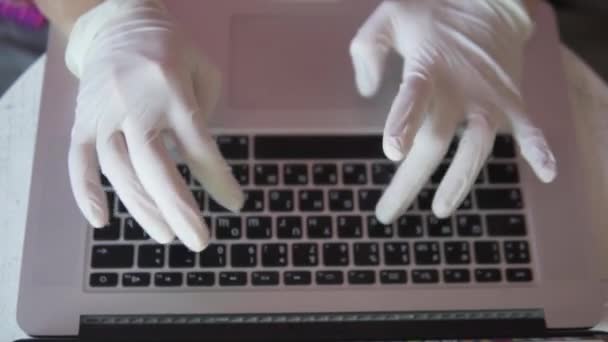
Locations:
{"points": [[140, 82], [463, 61]]}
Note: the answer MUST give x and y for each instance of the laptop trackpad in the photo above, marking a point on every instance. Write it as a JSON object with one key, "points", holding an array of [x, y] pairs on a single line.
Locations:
{"points": [[294, 62]]}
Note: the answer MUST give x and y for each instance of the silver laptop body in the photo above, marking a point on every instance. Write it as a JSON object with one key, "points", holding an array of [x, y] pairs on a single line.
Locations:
{"points": [[287, 73]]}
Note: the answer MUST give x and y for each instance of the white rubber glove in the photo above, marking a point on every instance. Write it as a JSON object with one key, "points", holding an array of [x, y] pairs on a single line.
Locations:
{"points": [[463, 61], [140, 82]]}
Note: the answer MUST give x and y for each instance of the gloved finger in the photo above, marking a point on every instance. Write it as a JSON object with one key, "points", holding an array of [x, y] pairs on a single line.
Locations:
{"points": [[533, 145], [430, 146], [474, 148], [161, 179], [207, 84], [86, 184], [116, 165], [369, 50], [406, 115], [200, 151], [198, 147]]}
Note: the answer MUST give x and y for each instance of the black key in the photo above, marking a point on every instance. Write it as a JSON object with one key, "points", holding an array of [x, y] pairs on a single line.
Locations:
{"points": [[354, 174], [456, 276], [109, 232], [185, 172], [410, 226], [311, 200], [319, 147], [341, 200], [209, 224], [259, 227], [305, 254], [425, 276], [297, 278], [503, 173], [506, 225], [319, 227], [104, 180], [375, 229], [215, 207], [382, 173], [274, 255], [329, 277], [396, 253], [151, 256], [289, 227], [361, 277], [487, 252], [439, 173], [243, 255], [195, 279], [214, 256], [121, 207], [111, 198], [452, 149], [103, 280], [265, 278], [427, 253], [335, 254], [136, 279], [517, 252], [519, 275], [133, 231], [457, 253], [350, 227], [233, 278], [439, 227], [499, 199], [168, 279], [295, 174], [106, 256], [254, 201], [425, 199], [228, 227], [325, 174], [469, 225], [504, 147], [266, 174], [241, 173], [467, 203], [368, 199], [281, 200], [366, 254], [234, 147], [480, 178], [488, 275], [181, 257], [393, 277]]}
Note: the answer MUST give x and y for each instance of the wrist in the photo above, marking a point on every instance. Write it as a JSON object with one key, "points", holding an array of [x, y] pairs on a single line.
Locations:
{"points": [[90, 24]]}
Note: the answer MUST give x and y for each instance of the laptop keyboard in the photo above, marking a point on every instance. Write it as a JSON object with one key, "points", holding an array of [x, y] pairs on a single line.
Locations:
{"points": [[308, 221]]}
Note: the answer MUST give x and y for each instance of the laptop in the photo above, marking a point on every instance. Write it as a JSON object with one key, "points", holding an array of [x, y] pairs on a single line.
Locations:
{"points": [[307, 259]]}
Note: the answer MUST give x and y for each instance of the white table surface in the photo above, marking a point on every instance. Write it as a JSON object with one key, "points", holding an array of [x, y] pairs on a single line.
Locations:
{"points": [[18, 122]]}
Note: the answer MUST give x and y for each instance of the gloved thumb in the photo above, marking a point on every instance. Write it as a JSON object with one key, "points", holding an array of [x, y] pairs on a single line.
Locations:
{"points": [[369, 50], [207, 84]]}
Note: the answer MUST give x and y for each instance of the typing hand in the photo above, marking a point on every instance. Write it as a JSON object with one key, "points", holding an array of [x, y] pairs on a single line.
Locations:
{"points": [[140, 83], [463, 61]]}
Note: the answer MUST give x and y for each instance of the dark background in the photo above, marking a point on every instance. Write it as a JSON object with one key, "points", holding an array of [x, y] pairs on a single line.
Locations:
{"points": [[583, 23]]}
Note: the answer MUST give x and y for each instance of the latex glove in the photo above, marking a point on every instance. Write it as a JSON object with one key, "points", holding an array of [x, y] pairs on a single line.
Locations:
{"points": [[140, 82], [463, 61]]}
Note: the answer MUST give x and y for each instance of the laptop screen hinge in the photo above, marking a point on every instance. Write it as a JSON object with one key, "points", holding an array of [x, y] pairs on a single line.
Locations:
{"points": [[316, 326]]}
